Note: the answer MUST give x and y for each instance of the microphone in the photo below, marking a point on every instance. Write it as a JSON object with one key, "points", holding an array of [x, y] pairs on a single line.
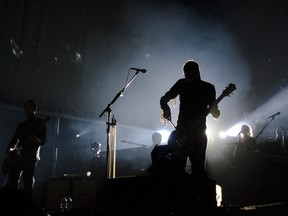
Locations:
{"points": [[138, 69], [272, 116]]}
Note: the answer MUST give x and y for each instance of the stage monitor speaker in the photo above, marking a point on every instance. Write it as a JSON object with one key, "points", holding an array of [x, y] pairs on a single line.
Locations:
{"points": [[85, 192], [160, 193]]}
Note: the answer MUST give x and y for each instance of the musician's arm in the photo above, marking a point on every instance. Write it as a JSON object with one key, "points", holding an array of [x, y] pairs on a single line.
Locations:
{"points": [[213, 107], [171, 94], [165, 107]]}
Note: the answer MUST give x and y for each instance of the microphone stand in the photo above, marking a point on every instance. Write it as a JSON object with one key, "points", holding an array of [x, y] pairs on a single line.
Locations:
{"points": [[111, 123], [264, 127], [133, 143]]}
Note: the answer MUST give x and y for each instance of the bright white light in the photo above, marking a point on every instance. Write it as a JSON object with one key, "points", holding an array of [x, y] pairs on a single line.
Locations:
{"points": [[77, 135], [223, 134], [165, 135], [209, 133], [234, 130], [218, 195]]}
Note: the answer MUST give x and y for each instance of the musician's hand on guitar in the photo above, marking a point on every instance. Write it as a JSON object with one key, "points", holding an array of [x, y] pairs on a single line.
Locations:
{"points": [[167, 114], [216, 113]]}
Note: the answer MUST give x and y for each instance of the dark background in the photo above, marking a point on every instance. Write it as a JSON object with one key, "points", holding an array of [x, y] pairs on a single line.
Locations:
{"points": [[73, 57]]}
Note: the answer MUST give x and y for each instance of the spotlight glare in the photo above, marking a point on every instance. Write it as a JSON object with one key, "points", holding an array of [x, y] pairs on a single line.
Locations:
{"points": [[77, 135], [218, 195], [222, 134], [165, 135], [233, 131]]}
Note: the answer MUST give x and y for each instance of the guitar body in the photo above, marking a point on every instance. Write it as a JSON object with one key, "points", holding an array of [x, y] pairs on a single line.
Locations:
{"points": [[178, 143], [9, 161], [182, 140], [12, 156]]}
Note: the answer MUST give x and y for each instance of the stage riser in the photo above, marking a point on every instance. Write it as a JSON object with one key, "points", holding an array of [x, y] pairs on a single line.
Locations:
{"points": [[161, 194]]}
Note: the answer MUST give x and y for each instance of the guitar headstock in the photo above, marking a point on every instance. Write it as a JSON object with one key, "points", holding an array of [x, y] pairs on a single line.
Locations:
{"points": [[229, 89]]}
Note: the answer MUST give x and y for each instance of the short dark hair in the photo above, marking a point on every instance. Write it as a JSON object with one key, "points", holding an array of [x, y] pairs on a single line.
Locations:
{"points": [[31, 102], [190, 65], [245, 129]]}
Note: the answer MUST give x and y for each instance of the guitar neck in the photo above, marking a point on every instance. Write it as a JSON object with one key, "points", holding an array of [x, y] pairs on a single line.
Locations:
{"points": [[217, 101]]}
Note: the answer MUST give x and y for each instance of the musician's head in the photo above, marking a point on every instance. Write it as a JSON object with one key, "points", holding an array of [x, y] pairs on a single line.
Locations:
{"points": [[30, 107], [191, 71], [156, 138], [246, 130]]}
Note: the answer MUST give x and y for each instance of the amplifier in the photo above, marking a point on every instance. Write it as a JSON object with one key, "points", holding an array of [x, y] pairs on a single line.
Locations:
{"points": [[86, 192]]}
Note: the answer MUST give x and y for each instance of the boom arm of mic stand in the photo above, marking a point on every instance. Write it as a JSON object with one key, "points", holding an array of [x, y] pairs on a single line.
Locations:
{"points": [[118, 95], [107, 109], [264, 128]]}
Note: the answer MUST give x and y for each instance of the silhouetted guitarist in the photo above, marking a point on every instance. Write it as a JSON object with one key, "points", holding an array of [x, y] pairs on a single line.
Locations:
{"points": [[23, 151], [195, 96]]}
